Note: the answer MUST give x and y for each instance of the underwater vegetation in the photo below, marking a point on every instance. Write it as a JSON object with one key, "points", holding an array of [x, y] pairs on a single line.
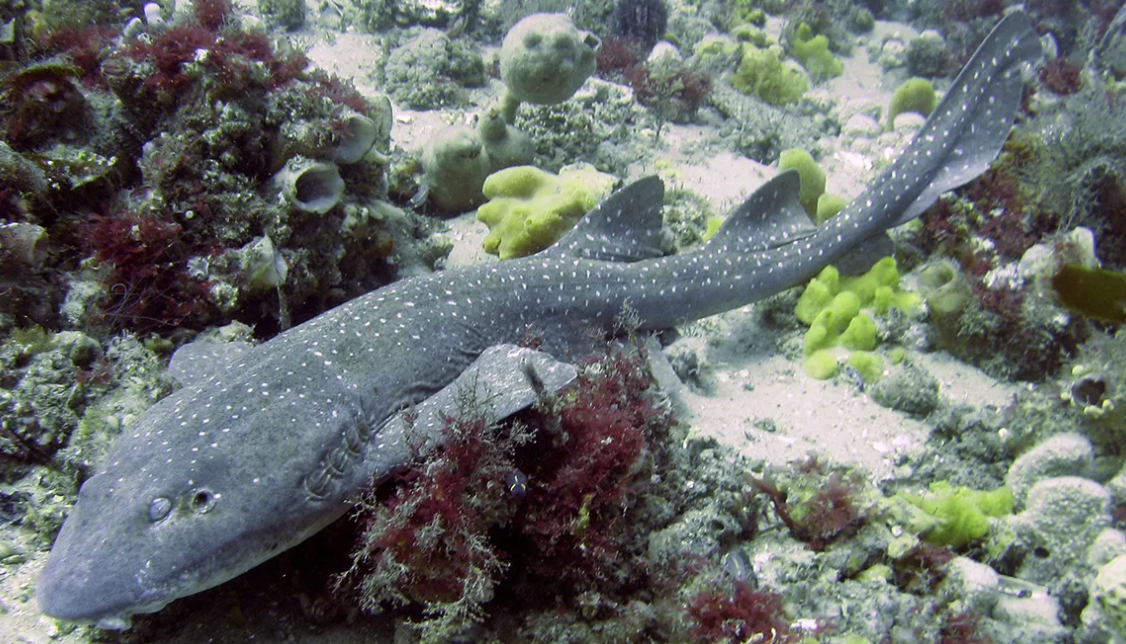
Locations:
{"points": [[826, 508], [669, 87], [196, 171], [741, 615], [549, 496], [207, 174]]}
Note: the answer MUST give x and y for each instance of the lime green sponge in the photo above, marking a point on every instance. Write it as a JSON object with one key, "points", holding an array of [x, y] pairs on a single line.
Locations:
{"points": [[813, 53], [959, 516], [529, 209], [762, 74], [811, 174], [1109, 590], [827, 207], [914, 95], [838, 312]]}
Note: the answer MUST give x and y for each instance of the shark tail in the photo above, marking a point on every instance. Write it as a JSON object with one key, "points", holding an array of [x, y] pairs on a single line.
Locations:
{"points": [[958, 142], [968, 128]]}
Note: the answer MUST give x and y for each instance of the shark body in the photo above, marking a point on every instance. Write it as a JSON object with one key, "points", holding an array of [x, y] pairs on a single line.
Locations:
{"points": [[241, 465]]}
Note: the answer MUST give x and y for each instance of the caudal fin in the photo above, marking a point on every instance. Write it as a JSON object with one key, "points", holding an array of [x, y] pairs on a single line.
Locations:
{"points": [[966, 131], [957, 143]]}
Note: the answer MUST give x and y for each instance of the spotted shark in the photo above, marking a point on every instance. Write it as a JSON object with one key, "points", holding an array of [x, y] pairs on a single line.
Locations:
{"points": [[250, 460]]}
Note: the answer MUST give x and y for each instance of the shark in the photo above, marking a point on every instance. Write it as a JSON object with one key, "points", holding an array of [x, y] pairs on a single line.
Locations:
{"points": [[275, 441]]}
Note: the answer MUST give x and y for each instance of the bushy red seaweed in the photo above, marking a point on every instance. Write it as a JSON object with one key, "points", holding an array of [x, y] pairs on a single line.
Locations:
{"points": [[677, 91], [148, 288], [85, 47], [685, 89], [961, 628], [618, 55], [1061, 76], [922, 568], [437, 539], [578, 493], [212, 14], [828, 514], [429, 543], [739, 615]]}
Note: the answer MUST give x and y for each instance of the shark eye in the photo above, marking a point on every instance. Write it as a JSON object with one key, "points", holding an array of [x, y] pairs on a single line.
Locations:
{"points": [[159, 508], [203, 500]]}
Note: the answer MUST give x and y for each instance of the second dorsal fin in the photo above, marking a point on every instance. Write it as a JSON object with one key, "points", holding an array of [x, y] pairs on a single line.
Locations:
{"points": [[625, 227], [769, 218]]}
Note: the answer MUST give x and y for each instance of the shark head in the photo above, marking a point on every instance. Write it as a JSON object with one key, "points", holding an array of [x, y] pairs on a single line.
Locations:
{"points": [[126, 546], [189, 498]]}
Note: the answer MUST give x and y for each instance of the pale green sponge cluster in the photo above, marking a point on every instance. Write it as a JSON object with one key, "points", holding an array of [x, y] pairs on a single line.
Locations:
{"points": [[763, 73], [914, 95], [813, 52], [957, 516], [819, 204], [529, 209], [838, 314], [1109, 590]]}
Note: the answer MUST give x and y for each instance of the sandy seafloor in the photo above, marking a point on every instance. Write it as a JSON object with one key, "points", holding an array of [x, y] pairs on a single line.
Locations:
{"points": [[752, 381]]}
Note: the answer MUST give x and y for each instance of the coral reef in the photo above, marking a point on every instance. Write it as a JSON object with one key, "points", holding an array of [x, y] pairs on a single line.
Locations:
{"points": [[162, 155], [166, 170]]}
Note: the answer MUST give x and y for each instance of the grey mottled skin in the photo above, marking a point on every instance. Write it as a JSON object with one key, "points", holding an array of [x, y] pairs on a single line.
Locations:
{"points": [[227, 472]]}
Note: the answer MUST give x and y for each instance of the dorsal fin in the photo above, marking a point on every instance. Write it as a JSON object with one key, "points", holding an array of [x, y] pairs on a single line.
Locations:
{"points": [[625, 227], [769, 218], [198, 361]]}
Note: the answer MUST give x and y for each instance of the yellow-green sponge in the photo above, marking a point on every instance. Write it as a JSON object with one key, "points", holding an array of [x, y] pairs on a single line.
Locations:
{"points": [[763, 74], [812, 177], [813, 52], [529, 209], [914, 95], [1109, 589], [962, 513], [833, 308]]}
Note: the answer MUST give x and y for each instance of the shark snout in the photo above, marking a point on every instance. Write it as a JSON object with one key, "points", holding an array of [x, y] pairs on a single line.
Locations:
{"points": [[70, 594], [86, 578]]}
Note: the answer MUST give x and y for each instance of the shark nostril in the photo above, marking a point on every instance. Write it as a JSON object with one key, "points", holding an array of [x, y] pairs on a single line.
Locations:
{"points": [[159, 508], [203, 501]]}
